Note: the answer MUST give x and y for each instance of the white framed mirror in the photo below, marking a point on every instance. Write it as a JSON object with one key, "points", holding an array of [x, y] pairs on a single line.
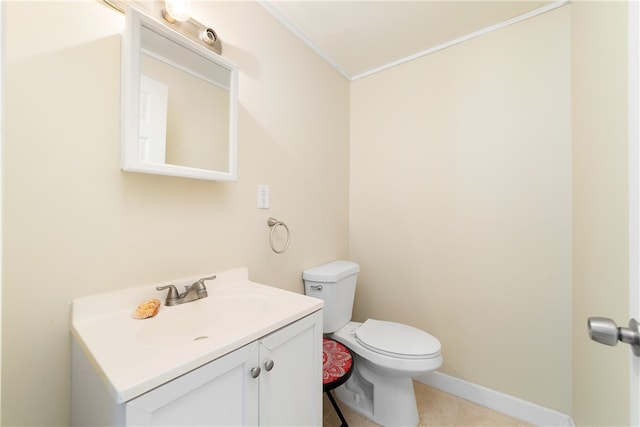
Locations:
{"points": [[179, 104]]}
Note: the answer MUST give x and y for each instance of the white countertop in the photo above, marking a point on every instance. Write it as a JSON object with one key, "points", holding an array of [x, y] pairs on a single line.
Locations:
{"points": [[134, 356]]}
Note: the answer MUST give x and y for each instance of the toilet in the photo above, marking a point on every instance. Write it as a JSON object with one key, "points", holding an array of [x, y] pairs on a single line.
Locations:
{"points": [[388, 355]]}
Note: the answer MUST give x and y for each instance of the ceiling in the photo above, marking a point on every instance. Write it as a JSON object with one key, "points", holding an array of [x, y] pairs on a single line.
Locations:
{"points": [[361, 37]]}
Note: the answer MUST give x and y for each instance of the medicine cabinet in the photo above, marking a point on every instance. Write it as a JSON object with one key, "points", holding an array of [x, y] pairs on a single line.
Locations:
{"points": [[179, 104]]}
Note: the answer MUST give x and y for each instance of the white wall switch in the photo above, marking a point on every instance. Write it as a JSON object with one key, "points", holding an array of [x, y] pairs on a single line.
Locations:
{"points": [[263, 196]]}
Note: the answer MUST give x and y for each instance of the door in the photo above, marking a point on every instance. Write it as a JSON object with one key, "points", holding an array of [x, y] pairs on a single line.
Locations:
{"points": [[605, 330], [634, 168], [606, 183], [291, 378], [220, 393], [154, 98]]}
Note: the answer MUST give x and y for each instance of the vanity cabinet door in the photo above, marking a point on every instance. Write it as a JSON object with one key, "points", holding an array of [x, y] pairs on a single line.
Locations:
{"points": [[220, 393], [291, 378]]}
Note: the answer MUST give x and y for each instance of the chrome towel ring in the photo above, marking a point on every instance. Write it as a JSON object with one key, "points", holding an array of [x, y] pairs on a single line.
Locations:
{"points": [[274, 223]]}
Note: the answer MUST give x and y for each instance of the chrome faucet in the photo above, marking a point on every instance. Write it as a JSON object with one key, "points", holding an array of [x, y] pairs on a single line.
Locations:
{"points": [[195, 291]]}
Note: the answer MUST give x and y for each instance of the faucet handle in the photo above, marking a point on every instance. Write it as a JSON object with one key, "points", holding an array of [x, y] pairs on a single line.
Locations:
{"points": [[172, 295], [200, 288], [201, 281]]}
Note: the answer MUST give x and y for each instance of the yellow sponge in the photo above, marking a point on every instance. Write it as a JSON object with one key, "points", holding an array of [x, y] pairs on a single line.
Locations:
{"points": [[147, 309]]}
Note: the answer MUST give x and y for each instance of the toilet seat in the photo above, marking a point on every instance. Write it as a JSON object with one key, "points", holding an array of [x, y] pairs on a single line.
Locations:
{"points": [[397, 340]]}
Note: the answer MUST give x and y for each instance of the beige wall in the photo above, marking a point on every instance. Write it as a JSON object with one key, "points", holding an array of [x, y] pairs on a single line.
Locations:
{"points": [[461, 194], [461, 205], [600, 208], [75, 225]]}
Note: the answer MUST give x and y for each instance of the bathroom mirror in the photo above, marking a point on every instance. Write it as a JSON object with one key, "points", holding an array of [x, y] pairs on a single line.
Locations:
{"points": [[179, 104]]}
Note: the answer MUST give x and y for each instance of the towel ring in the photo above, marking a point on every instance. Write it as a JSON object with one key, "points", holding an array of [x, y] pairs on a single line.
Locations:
{"points": [[274, 223]]}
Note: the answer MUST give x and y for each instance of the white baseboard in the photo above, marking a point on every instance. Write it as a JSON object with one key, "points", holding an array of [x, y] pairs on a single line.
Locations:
{"points": [[497, 401]]}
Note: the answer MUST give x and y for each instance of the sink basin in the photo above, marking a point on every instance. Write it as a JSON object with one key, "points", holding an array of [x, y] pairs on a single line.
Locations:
{"points": [[134, 356], [203, 319]]}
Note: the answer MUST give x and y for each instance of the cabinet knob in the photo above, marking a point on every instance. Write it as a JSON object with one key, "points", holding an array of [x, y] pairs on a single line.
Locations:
{"points": [[268, 365], [255, 372]]}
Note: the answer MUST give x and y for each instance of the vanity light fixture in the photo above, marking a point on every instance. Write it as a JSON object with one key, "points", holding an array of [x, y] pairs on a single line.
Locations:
{"points": [[176, 15], [176, 11]]}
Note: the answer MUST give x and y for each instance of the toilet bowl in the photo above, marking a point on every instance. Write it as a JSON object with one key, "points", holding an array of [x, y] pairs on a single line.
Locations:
{"points": [[382, 387], [388, 355]]}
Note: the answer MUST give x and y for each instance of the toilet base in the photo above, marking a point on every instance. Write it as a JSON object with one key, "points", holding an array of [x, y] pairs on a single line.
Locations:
{"points": [[385, 400]]}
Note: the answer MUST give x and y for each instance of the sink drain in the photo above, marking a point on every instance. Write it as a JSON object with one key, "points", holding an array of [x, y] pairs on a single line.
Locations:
{"points": [[202, 337]]}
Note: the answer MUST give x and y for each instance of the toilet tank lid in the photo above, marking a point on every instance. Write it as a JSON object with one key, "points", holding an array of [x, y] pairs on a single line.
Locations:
{"points": [[331, 272]]}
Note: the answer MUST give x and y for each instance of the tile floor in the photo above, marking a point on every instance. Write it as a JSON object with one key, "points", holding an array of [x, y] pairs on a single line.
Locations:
{"points": [[436, 408]]}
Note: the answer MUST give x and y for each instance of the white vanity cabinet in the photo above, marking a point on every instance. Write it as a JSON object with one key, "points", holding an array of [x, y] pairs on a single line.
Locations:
{"points": [[275, 381]]}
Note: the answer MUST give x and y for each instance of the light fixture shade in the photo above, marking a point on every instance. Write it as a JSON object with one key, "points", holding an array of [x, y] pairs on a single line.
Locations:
{"points": [[177, 10]]}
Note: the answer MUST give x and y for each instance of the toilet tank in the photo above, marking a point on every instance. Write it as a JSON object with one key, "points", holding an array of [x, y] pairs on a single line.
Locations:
{"points": [[335, 283]]}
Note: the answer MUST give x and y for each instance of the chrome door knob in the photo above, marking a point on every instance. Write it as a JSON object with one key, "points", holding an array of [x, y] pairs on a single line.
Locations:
{"points": [[605, 331]]}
